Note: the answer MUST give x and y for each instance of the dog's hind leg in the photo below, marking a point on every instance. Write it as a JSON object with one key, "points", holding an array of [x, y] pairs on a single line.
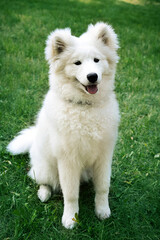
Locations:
{"points": [[44, 193], [44, 171]]}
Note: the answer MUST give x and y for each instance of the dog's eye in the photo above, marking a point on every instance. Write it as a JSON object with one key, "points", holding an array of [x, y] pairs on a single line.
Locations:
{"points": [[96, 60], [77, 63]]}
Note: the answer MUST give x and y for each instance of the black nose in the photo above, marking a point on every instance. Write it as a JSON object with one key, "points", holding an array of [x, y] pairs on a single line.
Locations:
{"points": [[92, 77]]}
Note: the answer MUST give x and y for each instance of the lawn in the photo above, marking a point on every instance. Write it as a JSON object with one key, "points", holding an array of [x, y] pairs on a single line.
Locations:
{"points": [[135, 186]]}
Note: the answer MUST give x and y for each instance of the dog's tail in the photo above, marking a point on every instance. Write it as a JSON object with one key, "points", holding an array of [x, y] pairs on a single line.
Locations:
{"points": [[23, 142]]}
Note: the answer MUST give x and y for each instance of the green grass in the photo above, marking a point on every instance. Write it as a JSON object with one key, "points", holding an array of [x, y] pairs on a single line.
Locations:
{"points": [[135, 186]]}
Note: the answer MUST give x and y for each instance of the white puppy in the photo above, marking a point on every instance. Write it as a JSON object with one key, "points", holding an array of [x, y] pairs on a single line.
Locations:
{"points": [[76, 129]]}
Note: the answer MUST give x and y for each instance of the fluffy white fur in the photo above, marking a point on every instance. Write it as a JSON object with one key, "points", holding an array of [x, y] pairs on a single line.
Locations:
{"points": [[76, 130]]}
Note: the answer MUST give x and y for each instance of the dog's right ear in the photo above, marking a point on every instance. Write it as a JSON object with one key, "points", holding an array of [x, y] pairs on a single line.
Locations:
{"points": [[57, 43]]}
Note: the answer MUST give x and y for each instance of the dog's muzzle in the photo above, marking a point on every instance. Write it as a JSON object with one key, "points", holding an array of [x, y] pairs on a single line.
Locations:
{"points": [[92, 78]]}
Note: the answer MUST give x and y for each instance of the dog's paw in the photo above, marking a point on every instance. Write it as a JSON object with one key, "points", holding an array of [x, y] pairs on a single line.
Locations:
{"points": [[103, 212], [44, 193], [68, 222]]}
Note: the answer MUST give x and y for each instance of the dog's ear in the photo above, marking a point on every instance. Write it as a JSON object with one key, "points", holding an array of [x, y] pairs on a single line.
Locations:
{"points": [[104, 33], [57, 43]]}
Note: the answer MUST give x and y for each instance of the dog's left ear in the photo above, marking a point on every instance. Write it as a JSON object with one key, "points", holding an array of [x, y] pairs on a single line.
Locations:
{"points": [[104, 33]]}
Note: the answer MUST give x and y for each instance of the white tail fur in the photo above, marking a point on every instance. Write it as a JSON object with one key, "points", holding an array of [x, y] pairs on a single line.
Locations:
{"points": [[22, 143]]}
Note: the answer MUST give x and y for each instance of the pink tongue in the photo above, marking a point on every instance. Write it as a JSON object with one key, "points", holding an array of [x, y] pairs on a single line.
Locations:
{"points": [[92, 89]]}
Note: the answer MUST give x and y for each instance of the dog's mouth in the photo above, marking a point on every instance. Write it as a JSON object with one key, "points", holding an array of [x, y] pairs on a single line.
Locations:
{"points": [[92, 89]]}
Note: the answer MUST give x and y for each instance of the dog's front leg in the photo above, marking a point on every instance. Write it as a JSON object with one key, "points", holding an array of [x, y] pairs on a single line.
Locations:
{"points": [[101, 179], [69, 174]]}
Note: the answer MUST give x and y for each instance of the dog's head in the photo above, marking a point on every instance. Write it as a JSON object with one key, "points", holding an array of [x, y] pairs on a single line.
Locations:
{"points": [[84, 62]]}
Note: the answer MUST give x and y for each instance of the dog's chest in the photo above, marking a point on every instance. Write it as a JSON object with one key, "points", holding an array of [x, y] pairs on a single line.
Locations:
{"points": [[82, 123], [81, 134]]}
